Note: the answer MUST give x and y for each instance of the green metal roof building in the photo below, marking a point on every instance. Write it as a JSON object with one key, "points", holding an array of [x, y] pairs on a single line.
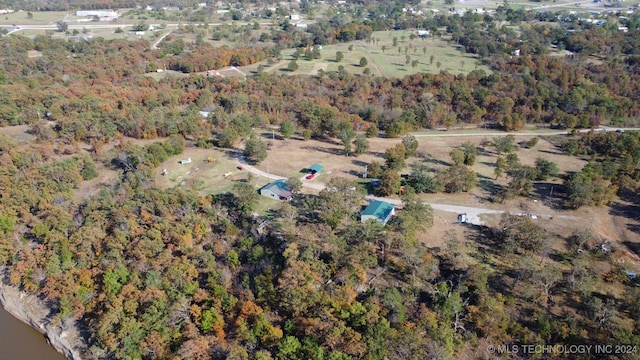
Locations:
{"points": [[277, 190], [379, 211], [315, 168]]}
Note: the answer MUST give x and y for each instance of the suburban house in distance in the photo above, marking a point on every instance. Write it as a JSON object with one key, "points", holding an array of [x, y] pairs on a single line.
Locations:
{"points": [[103, 15], [379, 211], [277, 190]]}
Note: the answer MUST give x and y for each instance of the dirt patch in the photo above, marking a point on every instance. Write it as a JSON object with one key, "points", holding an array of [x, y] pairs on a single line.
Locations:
{"points": [[106, 177], [444, 229], [317, 67], [18, 133], [34, 53]]}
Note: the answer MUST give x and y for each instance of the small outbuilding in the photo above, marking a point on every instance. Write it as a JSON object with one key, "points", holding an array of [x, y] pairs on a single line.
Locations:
{"points": [[379, 211], [314, 169], [277, 190]]}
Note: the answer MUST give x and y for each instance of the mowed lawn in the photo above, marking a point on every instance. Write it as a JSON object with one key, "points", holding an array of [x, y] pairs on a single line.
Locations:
{"points": [[38, 17], [430, 56]]}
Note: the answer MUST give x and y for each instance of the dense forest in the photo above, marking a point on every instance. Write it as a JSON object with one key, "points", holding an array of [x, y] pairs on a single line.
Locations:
{"points": [[172, 274]]}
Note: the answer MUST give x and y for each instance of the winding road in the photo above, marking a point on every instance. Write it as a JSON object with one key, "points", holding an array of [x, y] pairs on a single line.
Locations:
{"points": [[155, 44]]}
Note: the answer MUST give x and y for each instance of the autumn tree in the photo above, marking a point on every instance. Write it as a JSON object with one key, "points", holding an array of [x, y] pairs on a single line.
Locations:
{"points": [[410, 145], [287, 128], [346, 135], [245, 197], [587, 188], [339, 200], [545, 169], [457, 156], [62, 26], [361, 144], [293, 66], [389, 182], [457, 178], [520, 234], [521, 182], [416, 216], [374, 170], [395, 157], [504, 144], [294, 184], [470, 153], [422, 181], [255, 150]]}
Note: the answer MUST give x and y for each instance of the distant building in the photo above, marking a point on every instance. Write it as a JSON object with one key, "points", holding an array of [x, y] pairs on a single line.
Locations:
{"points": [[379, 211], [84, 37], [277, 190], [105, 15]]}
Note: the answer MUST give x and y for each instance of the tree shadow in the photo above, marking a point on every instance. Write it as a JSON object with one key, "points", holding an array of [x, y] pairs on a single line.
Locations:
{"points": [[562, 257], [270, 136], [434, 161], [489, 186], [633, 246], [376, 154], [629, 210], [552, 152], [552, 195], [353, 172], [359, 163], [324, 150]]}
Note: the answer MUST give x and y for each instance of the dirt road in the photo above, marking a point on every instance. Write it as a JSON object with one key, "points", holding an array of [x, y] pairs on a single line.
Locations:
{"points": [[473, 213]]}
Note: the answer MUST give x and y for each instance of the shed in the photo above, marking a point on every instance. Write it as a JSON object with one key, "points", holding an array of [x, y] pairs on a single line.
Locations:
{"points": [[277, 190], [379, 211], [315, 168]]}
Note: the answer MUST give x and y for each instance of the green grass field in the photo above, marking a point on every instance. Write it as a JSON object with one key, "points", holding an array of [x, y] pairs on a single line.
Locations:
{"points": [[38, 17], [430, 56]]}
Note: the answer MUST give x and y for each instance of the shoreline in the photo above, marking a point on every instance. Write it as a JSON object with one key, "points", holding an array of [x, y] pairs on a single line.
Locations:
{"points": [[30, 310]]}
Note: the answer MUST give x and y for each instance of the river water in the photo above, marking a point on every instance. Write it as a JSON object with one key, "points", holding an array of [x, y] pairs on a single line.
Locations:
{"points": [[21, 342]]}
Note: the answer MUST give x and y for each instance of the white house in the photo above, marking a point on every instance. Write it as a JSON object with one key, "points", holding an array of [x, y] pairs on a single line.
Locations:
{"points": [[277, 190]]}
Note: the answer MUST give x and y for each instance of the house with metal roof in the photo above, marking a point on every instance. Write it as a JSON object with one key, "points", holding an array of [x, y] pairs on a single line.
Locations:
{"points": [[379, 211], [277, 190]]}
